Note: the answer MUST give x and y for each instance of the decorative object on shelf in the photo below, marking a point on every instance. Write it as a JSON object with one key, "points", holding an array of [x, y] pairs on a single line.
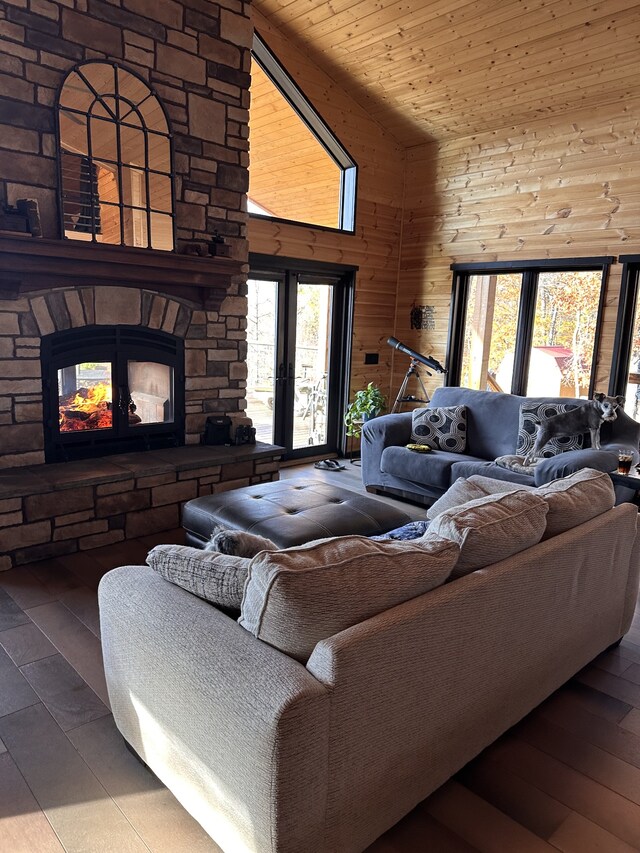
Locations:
{"points": [[422, 317], [24, 218], [217, 430], [245, 435], [218, 247], [193, 247], [367, 403]]}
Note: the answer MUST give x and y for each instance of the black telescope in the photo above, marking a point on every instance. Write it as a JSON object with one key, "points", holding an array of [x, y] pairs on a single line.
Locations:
{"points": [[423, 359]]}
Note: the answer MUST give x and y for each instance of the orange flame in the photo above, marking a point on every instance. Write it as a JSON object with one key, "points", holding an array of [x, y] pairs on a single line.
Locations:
{"points": [[89, 409]]}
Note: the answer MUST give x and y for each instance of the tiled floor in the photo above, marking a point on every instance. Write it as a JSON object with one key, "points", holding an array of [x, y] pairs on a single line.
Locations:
{"points": [[566, 778]]}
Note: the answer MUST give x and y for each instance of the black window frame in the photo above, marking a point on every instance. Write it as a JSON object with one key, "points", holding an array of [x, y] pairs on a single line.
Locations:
{"points": [[308, 114], [120, 164], [623, 340], [526, 310], [287, 270]]}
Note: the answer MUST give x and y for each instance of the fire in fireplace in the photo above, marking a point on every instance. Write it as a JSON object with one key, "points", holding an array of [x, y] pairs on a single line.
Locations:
{"points": [[109, 389]]}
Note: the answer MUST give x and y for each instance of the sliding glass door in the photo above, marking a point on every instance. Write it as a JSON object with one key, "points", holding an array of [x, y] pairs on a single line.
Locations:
{"points": [[296, 358]]}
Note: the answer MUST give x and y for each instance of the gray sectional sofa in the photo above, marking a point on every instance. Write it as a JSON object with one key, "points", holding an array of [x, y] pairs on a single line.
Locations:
{"points": [[492, 431], [273, 754]]}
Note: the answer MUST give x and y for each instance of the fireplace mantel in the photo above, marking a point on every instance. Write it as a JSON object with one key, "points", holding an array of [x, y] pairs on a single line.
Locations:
{"points": [[30, 263]]}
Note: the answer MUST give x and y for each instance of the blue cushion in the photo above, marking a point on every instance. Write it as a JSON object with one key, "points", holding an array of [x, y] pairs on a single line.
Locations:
{"points": [[468, 468], [433, 469], [492, 419]]}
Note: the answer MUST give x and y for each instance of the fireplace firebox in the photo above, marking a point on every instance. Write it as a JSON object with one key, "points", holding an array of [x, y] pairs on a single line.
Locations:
{"points": [[111, 389]]}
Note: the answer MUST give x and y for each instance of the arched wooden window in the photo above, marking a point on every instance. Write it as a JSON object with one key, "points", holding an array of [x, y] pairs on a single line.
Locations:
{"points": [[115, 159]]}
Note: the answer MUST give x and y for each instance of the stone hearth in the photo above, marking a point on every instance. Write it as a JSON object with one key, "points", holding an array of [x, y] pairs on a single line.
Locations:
{"points": [[51, 510]]}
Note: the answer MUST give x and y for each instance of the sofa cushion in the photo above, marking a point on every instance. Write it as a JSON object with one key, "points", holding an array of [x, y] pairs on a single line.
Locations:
{"points": [[532, 414], [432, 469], [492, 419], [576, 499], [494, 486], [461, 492], [218, 578], [443, 428], [491, 528], [471, 467], [296, 597], [465, 490]]}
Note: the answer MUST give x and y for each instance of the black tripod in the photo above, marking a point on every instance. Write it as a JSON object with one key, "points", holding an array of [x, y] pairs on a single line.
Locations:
{"points": [[410, 398]]}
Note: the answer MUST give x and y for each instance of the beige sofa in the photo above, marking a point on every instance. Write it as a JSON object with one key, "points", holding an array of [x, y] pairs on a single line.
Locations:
{"points": [[270, 754]]}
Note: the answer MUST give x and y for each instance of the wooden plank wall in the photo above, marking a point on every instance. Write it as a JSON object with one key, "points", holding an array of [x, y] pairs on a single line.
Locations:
{"points": [[564, 186], [375, 246]]}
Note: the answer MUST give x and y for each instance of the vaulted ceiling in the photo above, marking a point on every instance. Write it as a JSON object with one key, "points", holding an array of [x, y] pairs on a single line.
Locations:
{"points": [[440, 69]]}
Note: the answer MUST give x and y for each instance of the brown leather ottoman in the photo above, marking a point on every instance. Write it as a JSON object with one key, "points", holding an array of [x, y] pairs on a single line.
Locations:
{"points": [[289, 512]]}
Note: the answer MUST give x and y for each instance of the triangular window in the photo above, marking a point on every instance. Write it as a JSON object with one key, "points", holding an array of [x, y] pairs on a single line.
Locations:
{"points": [[298, 170]]}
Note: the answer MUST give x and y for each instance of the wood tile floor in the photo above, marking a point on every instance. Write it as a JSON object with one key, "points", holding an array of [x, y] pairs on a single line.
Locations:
{"points": [[566, 778]]}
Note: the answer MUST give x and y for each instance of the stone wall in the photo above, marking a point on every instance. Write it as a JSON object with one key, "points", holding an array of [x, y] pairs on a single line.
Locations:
{"points": [[195, 54], [215, 352], [51, 510]]}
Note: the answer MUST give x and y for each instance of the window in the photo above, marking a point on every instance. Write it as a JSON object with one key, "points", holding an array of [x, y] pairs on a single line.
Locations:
{"points": [[529, 328], [625, 370], [115, 159], [298, 170]]}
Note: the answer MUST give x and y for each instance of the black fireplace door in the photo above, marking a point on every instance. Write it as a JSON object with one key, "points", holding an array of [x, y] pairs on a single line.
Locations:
{"points": [[111, 389]]}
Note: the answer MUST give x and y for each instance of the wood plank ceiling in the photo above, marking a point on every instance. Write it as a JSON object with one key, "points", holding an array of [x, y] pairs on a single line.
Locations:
{"points": [[442, 69]]}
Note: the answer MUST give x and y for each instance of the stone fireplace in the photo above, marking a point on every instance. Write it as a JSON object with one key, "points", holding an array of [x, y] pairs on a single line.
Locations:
{"points": [[114, 350], [127, 333], [111, 389]]}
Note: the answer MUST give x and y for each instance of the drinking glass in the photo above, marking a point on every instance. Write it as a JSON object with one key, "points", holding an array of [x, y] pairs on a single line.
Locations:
{"points": [[624, 462]]}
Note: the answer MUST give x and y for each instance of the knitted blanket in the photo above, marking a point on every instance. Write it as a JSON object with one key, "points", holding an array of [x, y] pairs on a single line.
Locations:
{"points": [[516, 463]]}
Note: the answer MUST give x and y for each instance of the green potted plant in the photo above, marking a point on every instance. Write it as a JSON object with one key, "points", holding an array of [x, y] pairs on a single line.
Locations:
{"points": [[367, 403]]}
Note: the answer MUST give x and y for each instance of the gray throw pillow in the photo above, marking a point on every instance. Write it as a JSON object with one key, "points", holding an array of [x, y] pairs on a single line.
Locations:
{"points": [[457, 494], [297, 597], [443, 428], [218, 578], [491, 528], [576, 499], [531, 416]]}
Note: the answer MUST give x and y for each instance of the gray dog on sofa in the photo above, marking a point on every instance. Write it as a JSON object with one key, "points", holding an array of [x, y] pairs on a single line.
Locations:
{"points": [[586, 418]]}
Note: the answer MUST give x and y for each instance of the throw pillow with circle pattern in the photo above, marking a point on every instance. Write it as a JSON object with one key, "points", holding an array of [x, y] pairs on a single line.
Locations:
{"points": [[441, 429], [531, 416]]}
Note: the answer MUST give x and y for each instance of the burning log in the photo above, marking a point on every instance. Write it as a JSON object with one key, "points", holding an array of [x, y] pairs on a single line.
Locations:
{"points": [[88, 408], [76, 414]]}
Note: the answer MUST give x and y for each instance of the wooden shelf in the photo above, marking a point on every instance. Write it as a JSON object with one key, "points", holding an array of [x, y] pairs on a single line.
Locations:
{"points": [[32, 263]]}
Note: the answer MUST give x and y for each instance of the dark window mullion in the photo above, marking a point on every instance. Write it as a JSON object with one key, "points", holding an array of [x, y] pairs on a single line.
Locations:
{"points": [[289, 337], [93, 200], [598, 331], [623, 341], [119, 156], [524, 331], [457, 322], [147, 184]]}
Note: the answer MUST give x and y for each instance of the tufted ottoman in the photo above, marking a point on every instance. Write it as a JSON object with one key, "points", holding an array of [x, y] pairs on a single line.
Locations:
{"points": [[290, 513]]}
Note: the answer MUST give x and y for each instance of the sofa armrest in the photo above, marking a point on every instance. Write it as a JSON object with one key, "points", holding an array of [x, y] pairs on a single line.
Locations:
{"points": [[236, 729], [378, 433], [570, 461]]}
